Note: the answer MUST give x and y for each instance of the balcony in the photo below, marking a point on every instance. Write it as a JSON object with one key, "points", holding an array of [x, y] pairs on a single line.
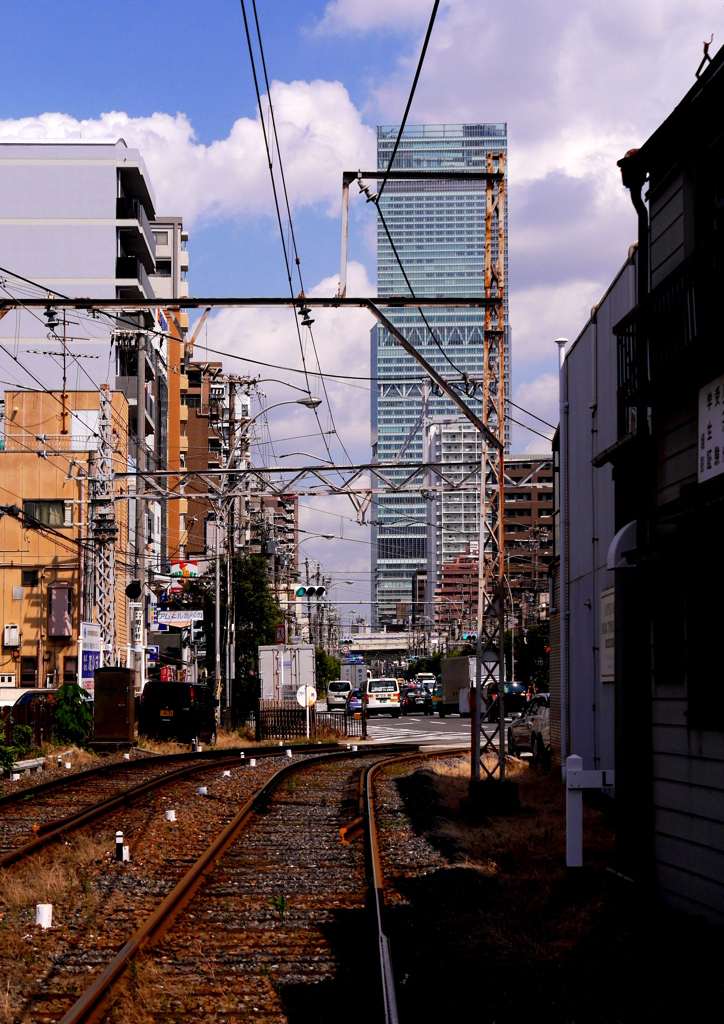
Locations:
{"points": [[131, 279], [135, 232], [183, 413]]}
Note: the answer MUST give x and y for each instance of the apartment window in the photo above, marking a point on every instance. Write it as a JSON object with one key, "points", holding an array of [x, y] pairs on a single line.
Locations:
{"points": [[161, 237], [48, 513], [182, 460], [163, 268], [28, 667], [70, 670], [30, 577], [192, 401]]}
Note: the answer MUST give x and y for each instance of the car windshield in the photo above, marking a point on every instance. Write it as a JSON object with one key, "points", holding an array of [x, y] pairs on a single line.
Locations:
{"points": [[382, 686], [355, 694], [338, 687]]}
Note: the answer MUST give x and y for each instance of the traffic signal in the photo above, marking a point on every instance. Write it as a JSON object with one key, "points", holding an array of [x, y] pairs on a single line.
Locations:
{"points": [[310, 591]]}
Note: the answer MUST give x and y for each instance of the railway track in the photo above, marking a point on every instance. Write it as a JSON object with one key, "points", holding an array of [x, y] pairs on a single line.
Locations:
{"points": [[36, 815], [245, 923]]}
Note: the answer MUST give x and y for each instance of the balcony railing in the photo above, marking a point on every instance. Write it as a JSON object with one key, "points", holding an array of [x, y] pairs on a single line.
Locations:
{"points": [[130, 269], [132, 209], [676, 325]]}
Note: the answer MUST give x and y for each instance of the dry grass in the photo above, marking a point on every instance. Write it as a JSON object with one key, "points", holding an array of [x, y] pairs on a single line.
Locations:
{"points": [[53, 874]]}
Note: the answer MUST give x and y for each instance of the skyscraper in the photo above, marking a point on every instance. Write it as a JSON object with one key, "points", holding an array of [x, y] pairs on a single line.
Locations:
{"points": [[438, 228]]}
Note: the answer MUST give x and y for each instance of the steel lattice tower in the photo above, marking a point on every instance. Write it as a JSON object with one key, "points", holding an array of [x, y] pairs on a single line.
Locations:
{"points": [[104, 529]]}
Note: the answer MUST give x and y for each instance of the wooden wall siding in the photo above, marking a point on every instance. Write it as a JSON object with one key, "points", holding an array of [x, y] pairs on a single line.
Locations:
{"points": [[667, 229], [677, 451], [688, 789]]}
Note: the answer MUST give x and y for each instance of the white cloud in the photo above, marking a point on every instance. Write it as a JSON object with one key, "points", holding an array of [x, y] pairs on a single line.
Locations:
{"points": [[542, 313], [345, 16], [539, 396], [320, 134]]}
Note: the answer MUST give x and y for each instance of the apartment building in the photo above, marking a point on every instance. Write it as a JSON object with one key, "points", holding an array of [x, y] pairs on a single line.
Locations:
{"points": [[46, 590], [453, 515]]}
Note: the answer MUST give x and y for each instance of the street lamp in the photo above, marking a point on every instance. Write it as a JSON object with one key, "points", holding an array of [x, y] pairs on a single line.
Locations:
{"points": [[308, 403]]}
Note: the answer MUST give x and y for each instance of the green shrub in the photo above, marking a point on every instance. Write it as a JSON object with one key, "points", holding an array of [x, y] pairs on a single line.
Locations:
{"points": [[23, 739], [7, 756], [72, 722]]}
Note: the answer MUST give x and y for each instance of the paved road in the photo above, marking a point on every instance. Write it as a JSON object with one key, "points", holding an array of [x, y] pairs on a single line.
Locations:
{"points": [[421, 729]]}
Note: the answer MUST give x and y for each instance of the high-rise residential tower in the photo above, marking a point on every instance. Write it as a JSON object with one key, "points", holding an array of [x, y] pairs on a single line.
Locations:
{"points": [[438, 228]]}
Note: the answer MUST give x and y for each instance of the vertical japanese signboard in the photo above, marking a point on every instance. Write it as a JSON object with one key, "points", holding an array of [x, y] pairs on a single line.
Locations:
{"points": [[90, 654], [710, 453]]}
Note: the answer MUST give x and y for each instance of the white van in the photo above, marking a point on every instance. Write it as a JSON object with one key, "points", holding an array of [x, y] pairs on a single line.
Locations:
{"points": [[382, 696]]}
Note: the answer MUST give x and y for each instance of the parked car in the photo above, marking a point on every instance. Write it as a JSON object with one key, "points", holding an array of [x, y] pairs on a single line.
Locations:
{"points": [[382, 696], [532, 730], [415, 698], [338, 690], [181, 711], [354, 701]]}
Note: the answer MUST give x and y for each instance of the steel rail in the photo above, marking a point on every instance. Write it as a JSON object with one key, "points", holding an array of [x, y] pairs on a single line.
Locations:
{"points": [[89, 1006], [52, 830], [387, 977], [20, 795]]}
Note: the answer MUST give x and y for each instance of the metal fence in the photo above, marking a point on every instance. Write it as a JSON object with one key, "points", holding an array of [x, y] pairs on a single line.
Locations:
{"points": [[36, 714], [285, 719]]}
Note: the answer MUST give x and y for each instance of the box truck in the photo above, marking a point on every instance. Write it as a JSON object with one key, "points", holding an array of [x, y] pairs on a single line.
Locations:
{"points": [[354, 674], [283, 668]]}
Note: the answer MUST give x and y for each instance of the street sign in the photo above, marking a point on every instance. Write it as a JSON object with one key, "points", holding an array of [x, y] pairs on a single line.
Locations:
{"points": [[345, 648], [306, 694], [90, 659], [281, 634], [168, 674], [177, 617], [153, 652]]}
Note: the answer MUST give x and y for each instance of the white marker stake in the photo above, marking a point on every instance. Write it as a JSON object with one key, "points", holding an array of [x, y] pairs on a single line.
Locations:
{"points": [[252, 762], [289, 753], [227, 775], [242, 755], [44, 915], [119, 846], [171, 815], [199, 748], [202, 791], [126, 853], [126, 757], [60, 761], [68, 764], [354, 747]]}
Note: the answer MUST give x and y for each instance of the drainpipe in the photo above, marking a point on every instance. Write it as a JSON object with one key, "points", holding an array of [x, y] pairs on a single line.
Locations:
{"points": [[633, 175], [563, 529], [39, 680]]}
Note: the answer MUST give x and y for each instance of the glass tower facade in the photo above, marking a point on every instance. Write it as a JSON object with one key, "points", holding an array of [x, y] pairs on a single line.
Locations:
{"points": [[438, 228]]}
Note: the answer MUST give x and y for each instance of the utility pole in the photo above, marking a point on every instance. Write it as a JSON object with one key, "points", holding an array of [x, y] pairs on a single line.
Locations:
{"points": [[217, 617], [140, 488]]}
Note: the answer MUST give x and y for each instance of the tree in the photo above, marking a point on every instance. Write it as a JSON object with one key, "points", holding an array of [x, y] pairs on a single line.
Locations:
{"points": [[256, 616], [72, 720], [327, 668], [532, 656]]}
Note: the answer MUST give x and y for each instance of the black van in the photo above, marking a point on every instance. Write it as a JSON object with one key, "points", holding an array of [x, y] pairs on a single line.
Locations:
{"points": [[180, 711]]}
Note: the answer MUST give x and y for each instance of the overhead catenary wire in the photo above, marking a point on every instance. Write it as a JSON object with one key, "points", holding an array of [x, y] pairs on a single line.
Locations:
{"points": [[412, 94], [278, 212]]}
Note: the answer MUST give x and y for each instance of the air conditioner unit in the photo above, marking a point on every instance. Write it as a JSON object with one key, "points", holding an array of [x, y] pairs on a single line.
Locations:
{"points": [[11, 635]]}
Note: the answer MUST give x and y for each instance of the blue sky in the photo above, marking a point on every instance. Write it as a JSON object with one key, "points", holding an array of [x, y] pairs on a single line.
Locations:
{"points": [[578, 82]]}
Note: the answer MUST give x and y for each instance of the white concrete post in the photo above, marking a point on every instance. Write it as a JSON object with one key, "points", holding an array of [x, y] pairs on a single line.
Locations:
{"points": [[574, 815]]}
